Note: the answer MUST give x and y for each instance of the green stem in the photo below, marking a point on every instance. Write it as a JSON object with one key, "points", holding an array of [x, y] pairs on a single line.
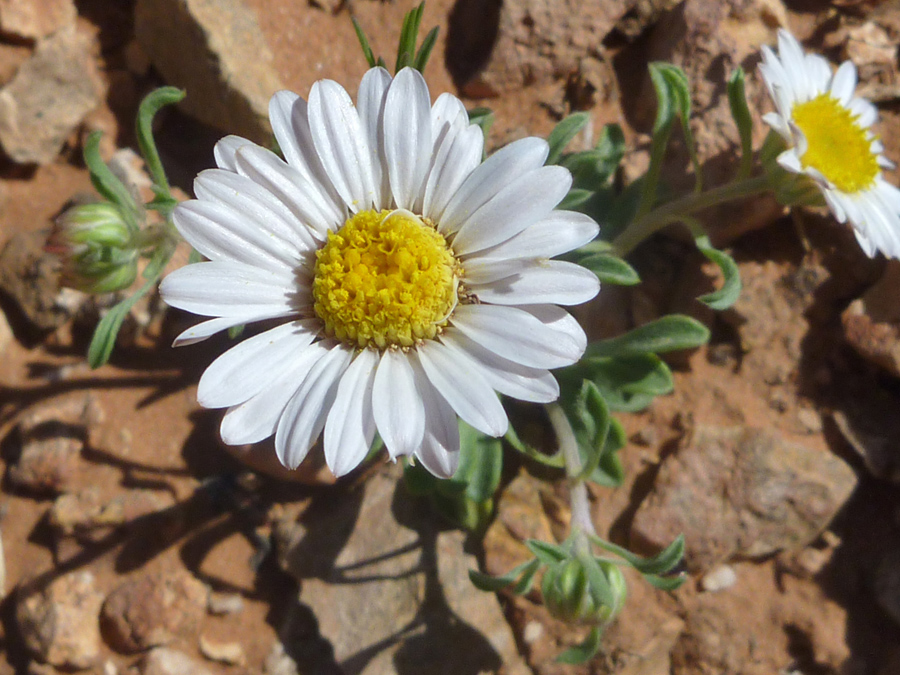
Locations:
{"points": [[675, 210], [582, 525]]}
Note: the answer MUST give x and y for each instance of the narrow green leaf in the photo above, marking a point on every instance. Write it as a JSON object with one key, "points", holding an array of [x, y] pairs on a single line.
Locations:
{"points": [[666, 583], [483, 117], [592, 169], [364, 43], [425, 49], [548, 554], [406, 49], [480, 463], [583, 652], [575, 199], [737, 101], [526, 582], [665, 561], [589, 417], [726, 296], [666, 334], [107, 183], [611, 269], [610, 472], [563, 133], [152, 103], [486, 582], [555, 460], [235, 331]]}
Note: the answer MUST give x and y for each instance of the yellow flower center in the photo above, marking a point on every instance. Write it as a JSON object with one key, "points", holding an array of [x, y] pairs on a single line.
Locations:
{"points": [[839, 148], [384, 279]]}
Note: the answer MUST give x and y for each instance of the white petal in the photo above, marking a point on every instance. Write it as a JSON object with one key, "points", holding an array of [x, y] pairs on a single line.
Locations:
{"points": [[511, 379], [257, 418], [224, 151], [463, 387], [247, 368], [499, 170], [439, 452], [206, 329], [457, 156], [790, 161], [370, 104], [867, 114], [350, 426], [260, 216], [516, 207], [342, 146], [539, 282], [447, 111], [407, 136], [397, 405], [844, 83], [517, 335], [305, 414], [312, 208], [560, 232], [230, 289]]}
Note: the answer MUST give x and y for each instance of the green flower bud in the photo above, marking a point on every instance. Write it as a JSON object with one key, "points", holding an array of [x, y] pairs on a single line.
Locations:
{"points": [[96, 248], [567, 592]]}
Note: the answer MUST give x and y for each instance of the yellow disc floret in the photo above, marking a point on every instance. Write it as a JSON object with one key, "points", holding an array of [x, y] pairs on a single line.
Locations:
{"points": [[385, 279], [838, 146]]}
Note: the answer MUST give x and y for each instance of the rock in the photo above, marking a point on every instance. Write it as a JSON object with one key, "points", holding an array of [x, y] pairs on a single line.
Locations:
{"points": [[48, 98], [84, 516], [59, 623], [740, 492], [712, 644], [222, 60], [221, 604], [50, 437], [886, 583], [718, 579], [34, 19], [872, 322], [499, 47], [6, 334], [152, 610], [229, 653], [869, 426], [165, 661], [279, 663], [373, 565], [29, 277], [2, 568]]}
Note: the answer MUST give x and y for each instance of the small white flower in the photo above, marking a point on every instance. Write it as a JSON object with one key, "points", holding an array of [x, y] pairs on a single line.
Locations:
{"points": [[831, 141], [411, 279]]}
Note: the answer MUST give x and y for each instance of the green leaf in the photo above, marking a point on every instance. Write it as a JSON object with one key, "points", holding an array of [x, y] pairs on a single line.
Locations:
{"points": [[486, 582], [555, 460], [575, 199], [598, 585], [424, 53], [583, 652], [548, 554], [589, 418], [483, 117], [563, 133], [666, 334], [610, 472], [364, 43], [665, 561], [406, 49], [107, 183], [480, 463], [526, 582], [726, 296], [152, 103], [235, 331], [737, 101], [666, 583], [628, 383], [611, 269], [418, 480]]}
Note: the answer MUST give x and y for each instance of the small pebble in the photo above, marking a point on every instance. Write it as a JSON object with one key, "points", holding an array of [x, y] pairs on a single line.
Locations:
{"points": [[220, 604], [718, 579], [229, 653], [533, 632], [810, 420]]}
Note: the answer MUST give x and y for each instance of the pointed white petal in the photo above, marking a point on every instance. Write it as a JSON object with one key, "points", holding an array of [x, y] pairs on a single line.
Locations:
{"points": [[439, 452], [539, 282], [844, 83], [224, 151], [447, 111], [499, 170], [305, 414], [457, 156], [350, 426], [206, 329], [247, 368], [461, 384], [407, 136], [371, 105], [559, 232], [397, 405], [342, 146], [517, 335]]}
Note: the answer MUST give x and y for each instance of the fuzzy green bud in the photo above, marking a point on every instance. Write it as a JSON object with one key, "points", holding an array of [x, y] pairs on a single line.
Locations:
{"points": [[568, 595], [96, 247]]}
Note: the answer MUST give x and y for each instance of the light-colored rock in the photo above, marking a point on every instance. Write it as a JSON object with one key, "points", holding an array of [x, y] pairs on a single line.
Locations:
{"points": [[6, 334], [59, 623], [389, 591], [741, 492], [48, 98], [872, 322], [220, 604], [152, 610], [718, 579], [278, 662], [84, 515], [229, 653], [221, 59], [2, 568], [166, 661], [36, 18]]}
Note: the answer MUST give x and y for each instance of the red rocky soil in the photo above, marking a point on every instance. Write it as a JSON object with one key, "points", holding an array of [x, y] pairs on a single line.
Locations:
{"points": [[133, 542]]}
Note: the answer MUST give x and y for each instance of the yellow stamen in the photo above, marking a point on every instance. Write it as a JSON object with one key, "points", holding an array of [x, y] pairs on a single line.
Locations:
{"points": [[838, 146], [385, 279]]}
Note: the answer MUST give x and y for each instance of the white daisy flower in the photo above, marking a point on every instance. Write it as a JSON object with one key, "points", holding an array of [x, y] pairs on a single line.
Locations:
{"points": [[411, 280], [832, 142]]}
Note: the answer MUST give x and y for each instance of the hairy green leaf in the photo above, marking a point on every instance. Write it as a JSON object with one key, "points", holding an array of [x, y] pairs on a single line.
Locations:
{"points": [[737, 101], [666, 334], [563, 133], [611, 269]]}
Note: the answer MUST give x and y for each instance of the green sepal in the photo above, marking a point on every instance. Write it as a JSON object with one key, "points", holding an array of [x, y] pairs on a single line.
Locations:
{"points": [[425, 50], [666, 334], [108, 184], [663, 562], [563, 133], [585, 651], [406, 49], [547, 554], [152, 103], [737, 101], [364, 43], [611, 269]]}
